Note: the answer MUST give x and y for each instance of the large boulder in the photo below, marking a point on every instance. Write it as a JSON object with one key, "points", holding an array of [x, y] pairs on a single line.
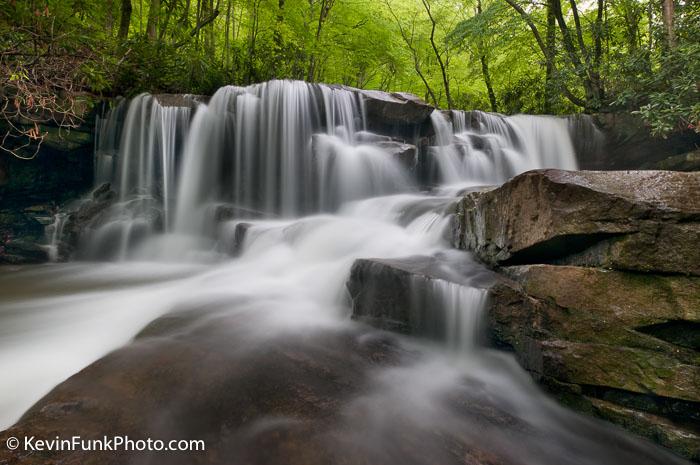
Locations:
{"points": [[397, 114], [646, 221], [395, 108], [600, 341], [620, 346]]}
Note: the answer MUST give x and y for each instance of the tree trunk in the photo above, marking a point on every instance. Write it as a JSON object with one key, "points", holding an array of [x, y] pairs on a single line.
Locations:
{"points": [[543, 47], [227, 37], [582, 68], [551, 44], [598, 53], [485, 68], [125, 20], [166, 23], [278, 59], [443, 70], [489, 87], [326, 6], [185, 19], [667, 12], [109, 18], [650, 17], [414, 53], [251, 74], [153, 16]]}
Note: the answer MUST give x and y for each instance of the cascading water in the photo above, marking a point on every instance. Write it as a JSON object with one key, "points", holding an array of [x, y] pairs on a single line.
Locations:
{"points": [[488, 149], [137, 152], [279, 149], [283, 149], [54, 231], [217, 176], [285, 176]]}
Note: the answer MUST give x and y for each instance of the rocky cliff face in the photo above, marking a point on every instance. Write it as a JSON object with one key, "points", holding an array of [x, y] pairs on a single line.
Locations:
{"points": [[618, 334], [622, 141], [32, 190]]}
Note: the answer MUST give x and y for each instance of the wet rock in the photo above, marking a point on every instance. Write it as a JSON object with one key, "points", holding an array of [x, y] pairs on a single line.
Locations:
{"points": [[199, 375], [622, 141], [395, 114], [19, 224], [86, 215], [395, 108], [22, 251], [584, 334], [366, 137], [382, 294], [233, 237], [21, 237], [180, 100], [228, 212], [684, 162], [638, 220], [404, 295], [61, 170], [683, 440], [406, 154]]}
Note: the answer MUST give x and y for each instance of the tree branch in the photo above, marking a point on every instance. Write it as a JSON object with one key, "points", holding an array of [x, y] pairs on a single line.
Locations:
{"points": [[199, 26]]}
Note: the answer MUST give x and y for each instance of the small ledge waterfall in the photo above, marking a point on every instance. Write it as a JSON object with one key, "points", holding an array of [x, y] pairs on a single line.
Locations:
{"points": [[493, 148]]}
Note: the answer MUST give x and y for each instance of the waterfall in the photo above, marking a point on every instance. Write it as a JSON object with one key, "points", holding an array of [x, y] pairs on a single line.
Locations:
{"points": [[147, 154], [54, 232], [137, 150], [107, 136], [462, 308], [477, 148], [288, 148], [446, 311], [280, 150]]}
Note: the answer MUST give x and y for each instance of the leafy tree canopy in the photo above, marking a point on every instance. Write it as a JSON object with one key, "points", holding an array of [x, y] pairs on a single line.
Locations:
{"points": [[535, 56]]}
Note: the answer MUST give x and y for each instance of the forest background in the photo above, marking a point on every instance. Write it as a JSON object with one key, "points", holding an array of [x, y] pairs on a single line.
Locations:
{"points": [[508, 56]]}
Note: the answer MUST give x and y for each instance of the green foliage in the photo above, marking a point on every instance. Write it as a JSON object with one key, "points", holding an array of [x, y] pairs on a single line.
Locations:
{"points": [[674, 101], [617, 58], [663, 85]]}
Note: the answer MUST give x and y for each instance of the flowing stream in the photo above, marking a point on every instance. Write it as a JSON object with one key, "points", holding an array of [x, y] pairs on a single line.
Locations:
{"points": [[259, 201]]}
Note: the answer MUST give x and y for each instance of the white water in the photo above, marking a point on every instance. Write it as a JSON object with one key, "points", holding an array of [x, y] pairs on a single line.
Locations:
{"points": [[311, 197], [137, 151], [54, 231], [283, 149], [494, 148]]}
